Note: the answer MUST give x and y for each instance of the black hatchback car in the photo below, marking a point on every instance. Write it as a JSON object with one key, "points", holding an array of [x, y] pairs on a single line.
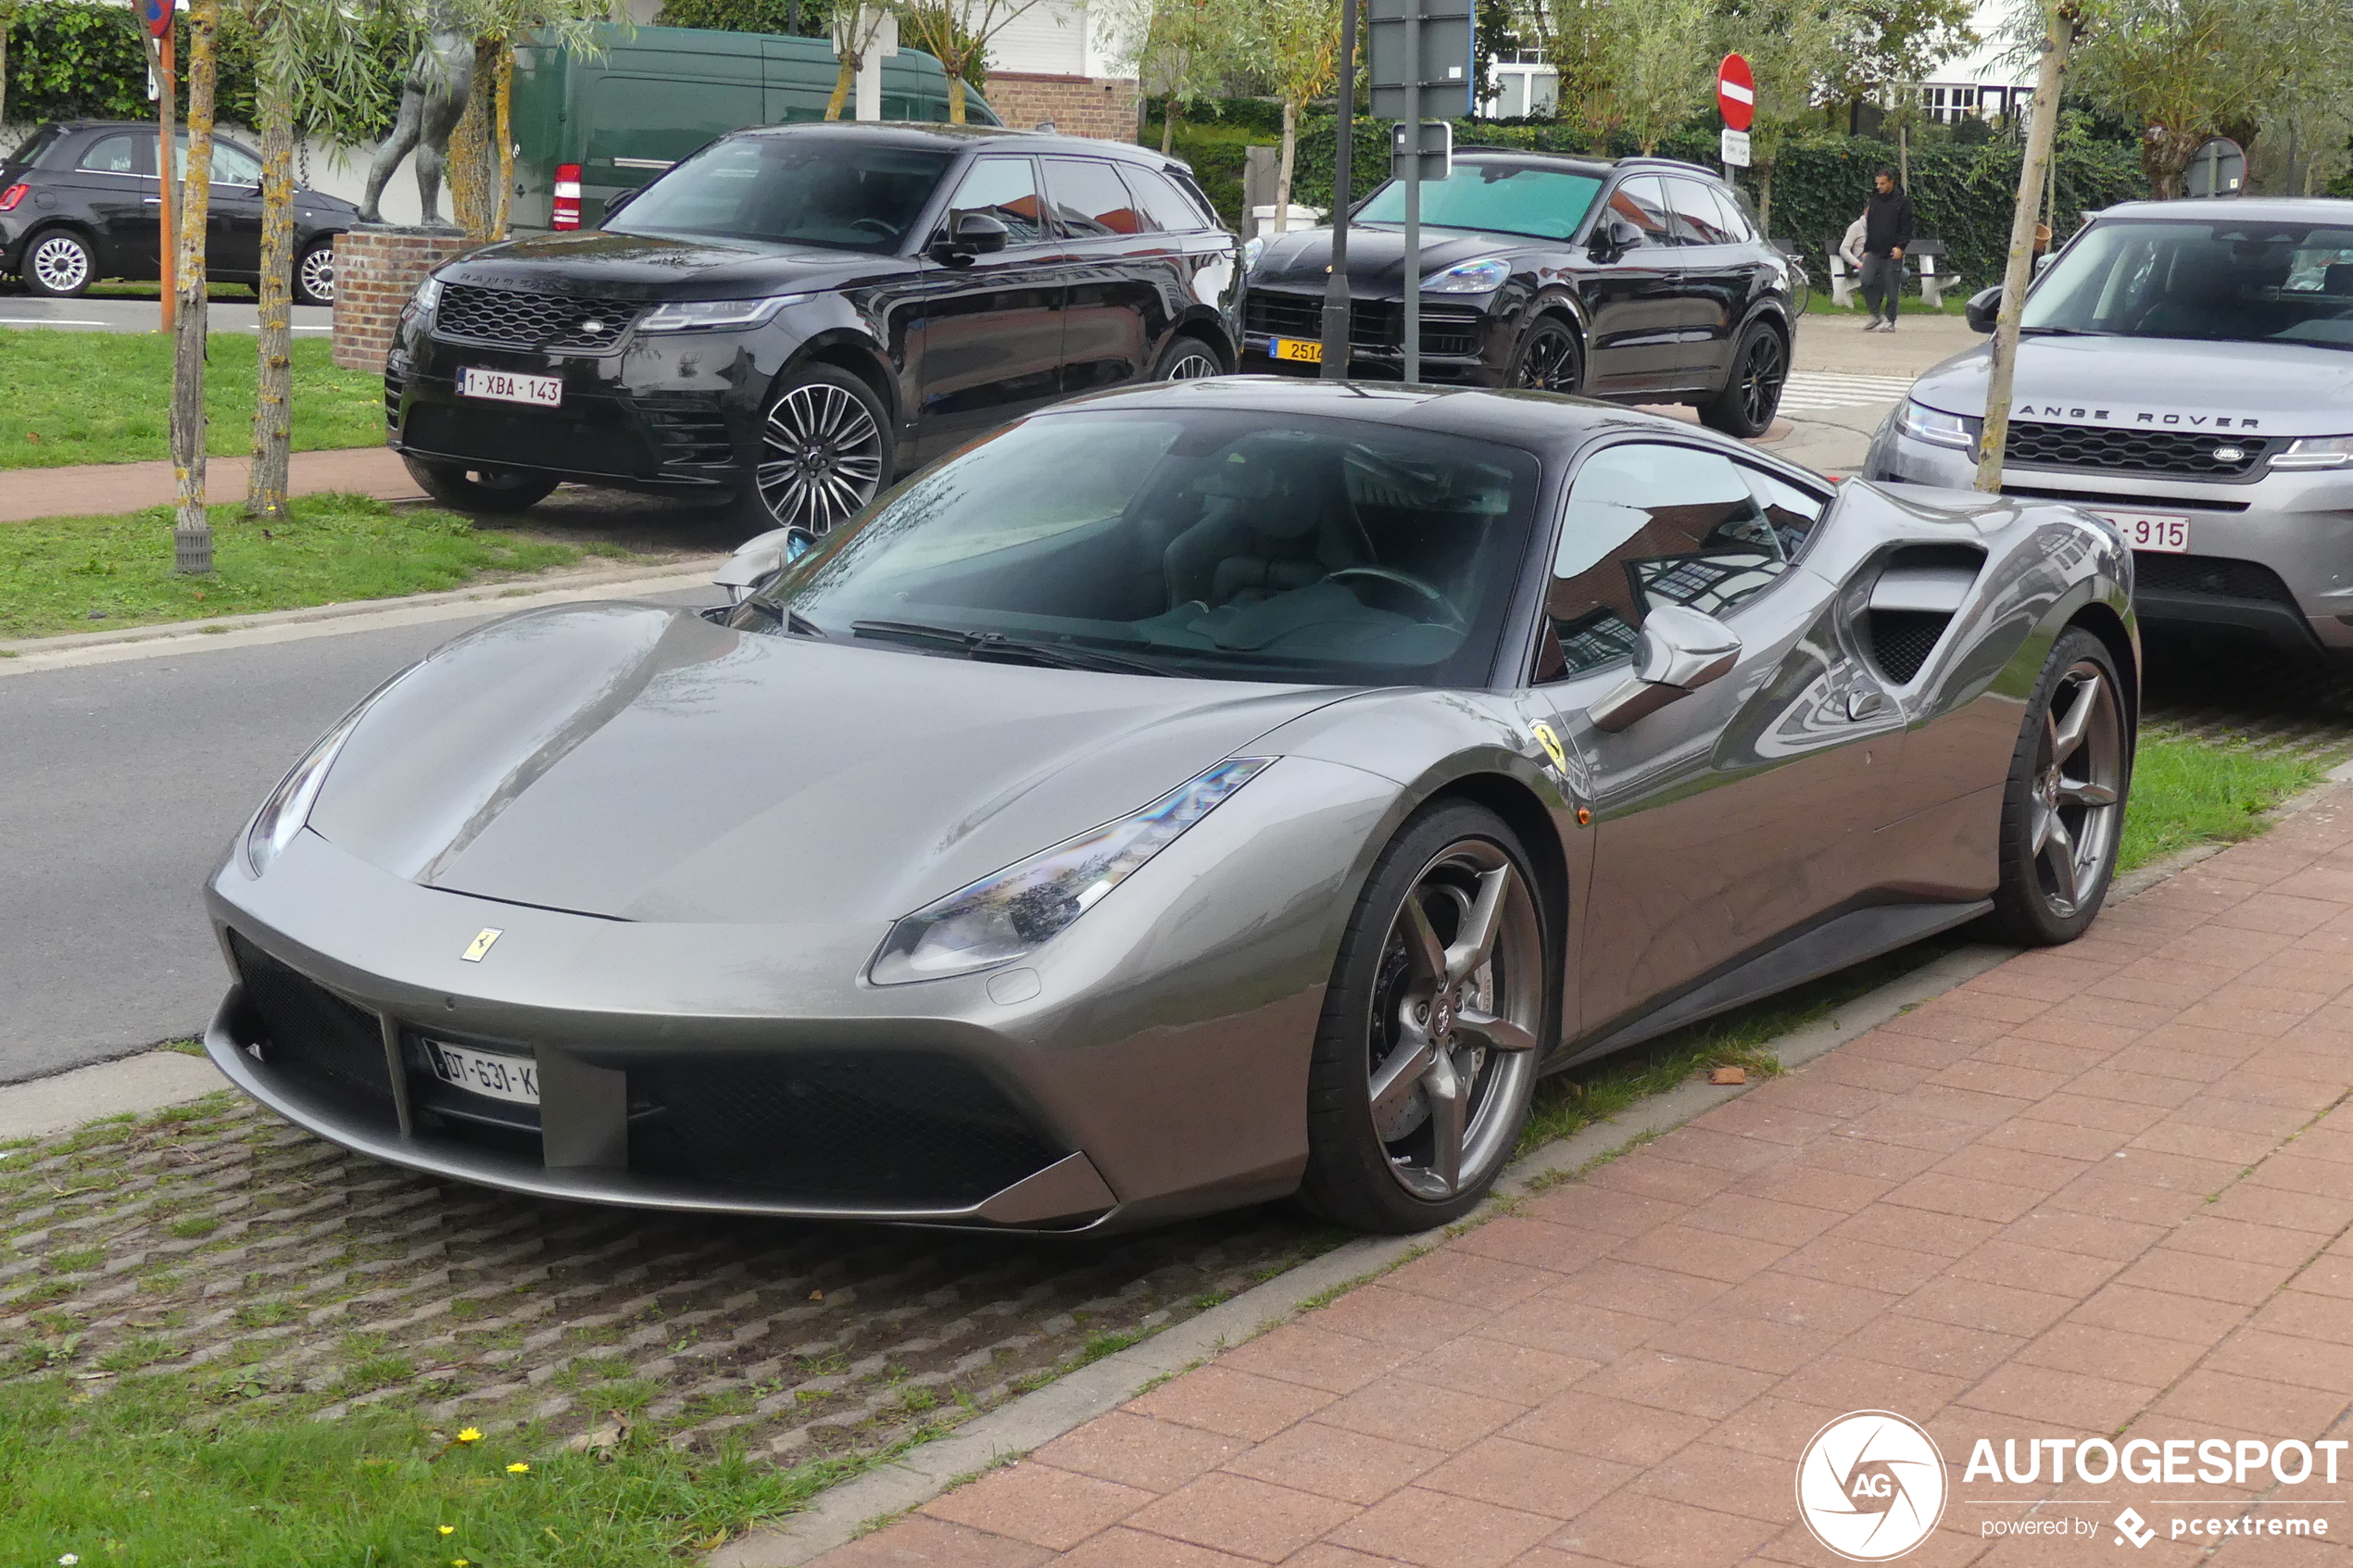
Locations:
{"points": [[77, 203], [1642, 280], [796, 314]]}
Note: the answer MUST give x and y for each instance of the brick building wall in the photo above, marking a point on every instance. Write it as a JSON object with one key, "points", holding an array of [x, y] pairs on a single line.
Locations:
{"points": [[1103, 108], [376, 271]]}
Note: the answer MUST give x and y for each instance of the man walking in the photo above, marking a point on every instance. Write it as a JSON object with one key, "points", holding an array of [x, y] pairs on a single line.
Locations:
{"points": [[1887, 233]]}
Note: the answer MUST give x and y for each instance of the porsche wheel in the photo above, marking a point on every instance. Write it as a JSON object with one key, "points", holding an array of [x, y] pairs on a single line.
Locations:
{"points": [[2063, 811], [824, 452], [1427, 1051], [1549, 360], [1760, 369]]}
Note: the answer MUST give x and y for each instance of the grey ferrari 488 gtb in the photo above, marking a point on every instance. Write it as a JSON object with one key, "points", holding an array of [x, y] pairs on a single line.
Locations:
{"points": [[1184, 797]]}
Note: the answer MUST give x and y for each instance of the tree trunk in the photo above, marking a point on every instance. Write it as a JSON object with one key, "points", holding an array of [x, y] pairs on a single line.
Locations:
{"points": [[192, 532], [1765, 199], [472, 156], [955, 92], [1168, 128], [266, 489], [1283, 168], [845, 79], [505, 121], [2058, 38], [2165, 159], [7, 20]]}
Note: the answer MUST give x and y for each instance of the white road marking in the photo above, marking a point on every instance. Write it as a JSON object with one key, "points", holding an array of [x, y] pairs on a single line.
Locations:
{"points": [[1813, 390], [48, 321]]}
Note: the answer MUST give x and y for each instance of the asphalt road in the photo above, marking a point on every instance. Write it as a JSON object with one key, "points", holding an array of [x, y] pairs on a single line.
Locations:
{"points": [[120, 784], [111, 313]]}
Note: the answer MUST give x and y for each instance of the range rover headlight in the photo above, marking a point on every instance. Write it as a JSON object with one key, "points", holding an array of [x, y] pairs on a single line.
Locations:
{"points": [[1937, 427], [1471, 277], [420, 304], [694, 315], [1008, 914], [2316, 452]]}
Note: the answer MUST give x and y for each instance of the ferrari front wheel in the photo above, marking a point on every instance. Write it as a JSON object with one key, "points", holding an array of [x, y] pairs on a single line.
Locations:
{"points": [[1427, 1052], [2063, 808]]}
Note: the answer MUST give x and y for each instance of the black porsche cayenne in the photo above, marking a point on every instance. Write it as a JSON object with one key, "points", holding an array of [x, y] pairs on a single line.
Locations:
{"points": [[1642, 280], [796, 314]]}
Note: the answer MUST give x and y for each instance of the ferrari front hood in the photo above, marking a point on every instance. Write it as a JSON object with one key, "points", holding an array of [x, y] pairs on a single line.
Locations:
{"points": [[638, 762]]}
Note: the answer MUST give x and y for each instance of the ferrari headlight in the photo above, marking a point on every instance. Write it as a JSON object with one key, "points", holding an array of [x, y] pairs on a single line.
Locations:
{"points": [[283, 815], [692, 315], [2316, 452], [1003, 916], [1936, 426], [1471, 277]]}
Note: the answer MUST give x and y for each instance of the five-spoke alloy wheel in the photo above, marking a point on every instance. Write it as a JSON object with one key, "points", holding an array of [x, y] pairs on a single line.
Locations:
{"points": [[1439, 1009], [2064, 810], [824, 450], [1750, 399]]}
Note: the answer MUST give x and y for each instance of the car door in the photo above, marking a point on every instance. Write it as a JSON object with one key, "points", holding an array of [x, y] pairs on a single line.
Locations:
{"points": [[1731, 816], [1206, 257], [1117, 272], [1634, 339], [991, 343], [112, 179], [232, 233], [1717, 275]]}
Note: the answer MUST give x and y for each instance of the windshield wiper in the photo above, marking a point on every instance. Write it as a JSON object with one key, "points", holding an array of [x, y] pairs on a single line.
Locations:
{"points": [[996, 645], [2062, 332]]}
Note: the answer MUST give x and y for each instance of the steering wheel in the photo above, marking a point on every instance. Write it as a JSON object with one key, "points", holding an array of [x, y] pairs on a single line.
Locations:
{"points": [[879, 225], [1436, 602]]}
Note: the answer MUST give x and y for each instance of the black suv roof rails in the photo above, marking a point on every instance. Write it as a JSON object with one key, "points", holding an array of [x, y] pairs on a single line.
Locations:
{"points": [[1652, 160]]}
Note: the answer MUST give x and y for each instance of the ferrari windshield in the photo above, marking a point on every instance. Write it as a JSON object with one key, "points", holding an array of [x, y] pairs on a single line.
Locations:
{"points": [[2220, 279], [795, 190], [1498, 195], [1197, 542]]}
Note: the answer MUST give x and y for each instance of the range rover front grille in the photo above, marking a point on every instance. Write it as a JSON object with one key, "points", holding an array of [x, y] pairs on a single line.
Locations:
{"points": [[2194, 454], [515, 319]]}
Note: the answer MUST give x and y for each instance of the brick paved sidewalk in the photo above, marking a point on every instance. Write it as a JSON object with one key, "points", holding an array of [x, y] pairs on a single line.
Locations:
{"points": [[2100, 1187], [98, 489]]}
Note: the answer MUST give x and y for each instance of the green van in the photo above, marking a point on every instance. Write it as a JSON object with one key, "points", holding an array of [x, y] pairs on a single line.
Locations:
{"points": [[588, 126]]}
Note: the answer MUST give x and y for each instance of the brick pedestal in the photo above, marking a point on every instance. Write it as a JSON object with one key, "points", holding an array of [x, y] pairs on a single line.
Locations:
{"points": [[377, 268], [1103, 108]]}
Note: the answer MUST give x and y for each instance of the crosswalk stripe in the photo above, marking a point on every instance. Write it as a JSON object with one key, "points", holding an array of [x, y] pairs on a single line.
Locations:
{"points": [[1813, 391]]}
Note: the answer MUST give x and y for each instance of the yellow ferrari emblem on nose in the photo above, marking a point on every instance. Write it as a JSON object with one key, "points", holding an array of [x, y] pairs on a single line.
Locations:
{"points": [[480, 944]]}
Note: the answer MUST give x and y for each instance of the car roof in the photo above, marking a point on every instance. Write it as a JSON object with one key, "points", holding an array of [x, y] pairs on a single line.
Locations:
{"points": [[1543, 422], [2244, 209], [951, 138]]}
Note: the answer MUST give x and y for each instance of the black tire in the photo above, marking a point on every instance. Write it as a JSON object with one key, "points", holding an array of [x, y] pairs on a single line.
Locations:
{"points": [[1752, 395], [314, 274], [1550, 358], [1187, 358], [2063, 807], [59, 264], [492, 491], [825, 450], [1375, 1160]]}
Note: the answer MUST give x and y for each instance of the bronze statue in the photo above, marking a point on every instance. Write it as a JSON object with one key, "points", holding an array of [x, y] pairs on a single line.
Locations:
{"points": [[433, 100]]}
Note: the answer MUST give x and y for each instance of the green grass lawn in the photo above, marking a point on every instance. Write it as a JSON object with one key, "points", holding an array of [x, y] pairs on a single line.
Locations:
{"points": [[104, 397], [95, 573], [2188, 791]]}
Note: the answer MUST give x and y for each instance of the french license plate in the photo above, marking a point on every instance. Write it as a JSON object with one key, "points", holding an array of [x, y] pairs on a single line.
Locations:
{"points": [[545, 391], [2161, 532], [1296, 348], [500, 1077]]}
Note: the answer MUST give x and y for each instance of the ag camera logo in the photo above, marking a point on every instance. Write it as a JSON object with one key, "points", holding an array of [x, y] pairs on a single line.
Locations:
{"points": [[1871, 1485]]}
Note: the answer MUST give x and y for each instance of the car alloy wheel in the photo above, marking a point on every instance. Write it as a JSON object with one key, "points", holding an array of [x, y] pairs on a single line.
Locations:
{"points": [[1457, 1006], [315, 275], [821, 457], [1192, 363], [1763, 369], [2076, 800], [59, 264], [1548, 360]]}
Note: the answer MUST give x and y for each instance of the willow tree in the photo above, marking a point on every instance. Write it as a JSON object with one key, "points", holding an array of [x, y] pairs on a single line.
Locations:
{"points": [[481, 150], [1659, 58], [858, 31], [957, 33], [1296, 44], [192, 527], [1789, 46], [2183, 71]]}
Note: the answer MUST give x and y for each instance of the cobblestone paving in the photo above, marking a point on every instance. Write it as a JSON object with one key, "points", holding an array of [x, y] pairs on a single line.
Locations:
{"points": [[296, 1275], [2230, 690]]}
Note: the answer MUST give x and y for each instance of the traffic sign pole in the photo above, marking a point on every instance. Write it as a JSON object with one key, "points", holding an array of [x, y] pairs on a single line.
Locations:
{"points": [[1335, 291], [167, 191], [1414, 195]]}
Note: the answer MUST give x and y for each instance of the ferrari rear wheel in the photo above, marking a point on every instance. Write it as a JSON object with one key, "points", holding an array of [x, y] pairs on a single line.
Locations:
{"points": [[1427, 1049], [2063, 811]]}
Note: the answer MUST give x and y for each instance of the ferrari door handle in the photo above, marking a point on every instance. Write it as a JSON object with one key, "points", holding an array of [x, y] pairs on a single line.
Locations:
{"points": [[1862, 705]]}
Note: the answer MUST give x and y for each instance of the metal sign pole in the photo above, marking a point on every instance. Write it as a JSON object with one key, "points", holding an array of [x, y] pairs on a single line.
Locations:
{"points": [[1336, 285], [167, 139], [1414, 193]]}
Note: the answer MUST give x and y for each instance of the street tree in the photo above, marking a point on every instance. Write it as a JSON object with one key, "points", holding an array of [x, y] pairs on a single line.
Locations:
{"points": [[8, 9], [957, 33], [858, 30], [481, 150], [1296, 44], [2185, 70], [1659, 58], [1793, 48], [192, 527], [1181, 52]]}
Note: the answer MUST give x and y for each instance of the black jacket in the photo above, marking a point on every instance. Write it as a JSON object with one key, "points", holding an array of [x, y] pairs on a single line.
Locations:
{"points": [[1887, 223]]}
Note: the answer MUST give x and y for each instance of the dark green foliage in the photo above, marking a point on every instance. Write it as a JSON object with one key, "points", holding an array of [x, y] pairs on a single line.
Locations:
{"points": [[748, 16]]}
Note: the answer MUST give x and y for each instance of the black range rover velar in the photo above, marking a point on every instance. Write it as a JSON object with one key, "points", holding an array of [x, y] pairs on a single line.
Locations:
{"points": [[795, 315]]}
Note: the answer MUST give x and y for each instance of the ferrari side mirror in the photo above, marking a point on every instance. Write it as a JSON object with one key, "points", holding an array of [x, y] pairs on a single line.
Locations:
{"points": [[1983, 307], [1679, 650]]}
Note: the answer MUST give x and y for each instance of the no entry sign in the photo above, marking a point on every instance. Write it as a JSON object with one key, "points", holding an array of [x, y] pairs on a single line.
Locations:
{"points": [[156, 14], [1735, 93]]}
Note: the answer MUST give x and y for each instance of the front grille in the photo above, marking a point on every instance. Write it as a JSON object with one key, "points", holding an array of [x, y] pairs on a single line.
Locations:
{"points": [[1902, 640], [1372, 323], [394, 382], [896, 1127], [2208, 577], [513, 318], [2190, 453], [688, 432], [314, 1036]]}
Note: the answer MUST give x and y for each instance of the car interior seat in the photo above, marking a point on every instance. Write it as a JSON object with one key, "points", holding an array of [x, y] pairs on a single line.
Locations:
{"points": [[1271, 521]]}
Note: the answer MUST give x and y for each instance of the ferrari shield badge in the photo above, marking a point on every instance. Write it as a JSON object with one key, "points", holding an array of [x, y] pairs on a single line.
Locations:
{"points": [[480, 944], [1552, 744]]}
